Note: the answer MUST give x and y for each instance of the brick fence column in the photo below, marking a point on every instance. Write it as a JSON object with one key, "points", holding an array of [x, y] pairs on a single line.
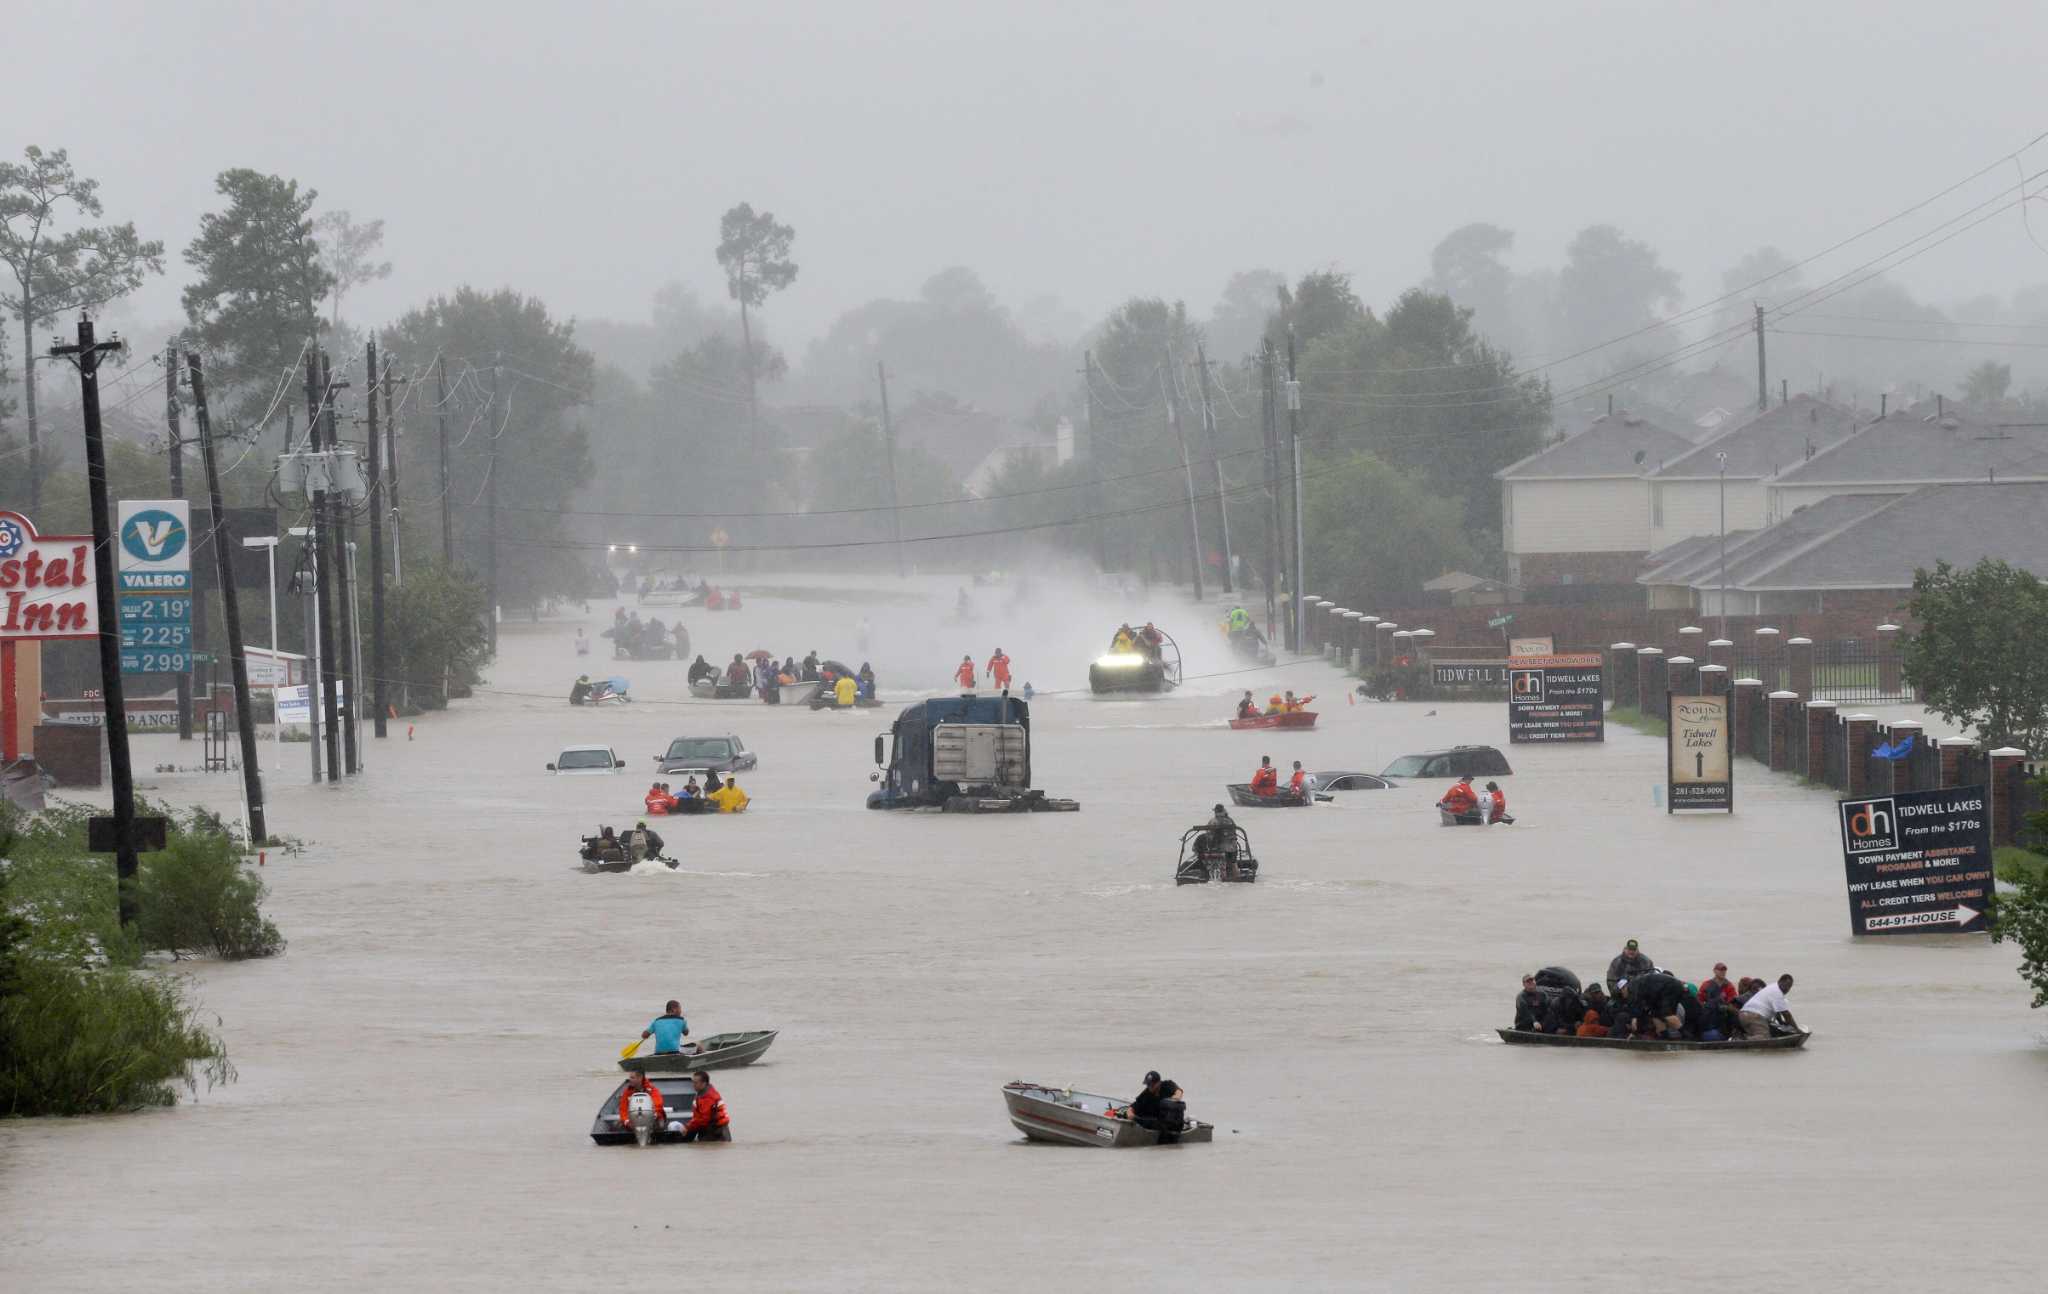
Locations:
{"points": [[1819, 714], [1680, 679], [1692, 642], [1621, 672], [1403, 645], [1320, 623], [1902, 769], [1353, 627], [1862, 728], [1745, 693], [1889, 666], [1952, 749], [1713, 680], [1649, 678], [1383, 643], [1769, 658], [1719, 650], [1799, 664], [1784, 707], [1368, 642], [1423, 640], [2005, 775]]}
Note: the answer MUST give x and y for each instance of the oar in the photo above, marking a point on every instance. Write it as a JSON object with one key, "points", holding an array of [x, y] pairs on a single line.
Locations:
{"points": [[631, 1047]]}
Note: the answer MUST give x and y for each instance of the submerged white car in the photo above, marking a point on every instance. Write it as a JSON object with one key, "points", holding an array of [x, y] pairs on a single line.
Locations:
{"points": [[587, 761]]}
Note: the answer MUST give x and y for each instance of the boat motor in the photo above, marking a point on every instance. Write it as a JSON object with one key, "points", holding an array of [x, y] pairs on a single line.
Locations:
{"points": [[1173, 1119], [640, 1113]]}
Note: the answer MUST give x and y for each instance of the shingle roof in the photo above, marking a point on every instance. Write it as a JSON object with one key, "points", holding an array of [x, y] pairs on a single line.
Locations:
{"points": [[1809, 525], [1916, 449], [1958, 524], [1769, 443], [1682, 562], [1618, 444]]}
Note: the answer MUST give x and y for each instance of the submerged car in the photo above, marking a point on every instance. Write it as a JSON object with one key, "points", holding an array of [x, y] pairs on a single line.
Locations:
{"points": [[1350, 781], [1457, 761], [587, 761], [727, 754]]}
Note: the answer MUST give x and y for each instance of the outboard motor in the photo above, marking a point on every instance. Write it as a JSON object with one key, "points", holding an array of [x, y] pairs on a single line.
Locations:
{"points": [[640, 1113], [1173, 1120]]}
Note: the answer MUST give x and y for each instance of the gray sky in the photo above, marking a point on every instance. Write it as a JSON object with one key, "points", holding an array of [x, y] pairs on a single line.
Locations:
{"points": [[583, 152]]}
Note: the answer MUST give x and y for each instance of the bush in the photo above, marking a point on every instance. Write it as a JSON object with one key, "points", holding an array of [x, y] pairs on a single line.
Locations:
{"points": [[76, 1041], [197, 896]]}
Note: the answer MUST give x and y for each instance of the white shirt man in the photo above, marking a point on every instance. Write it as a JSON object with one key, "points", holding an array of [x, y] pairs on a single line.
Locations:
{"points": [[1763, 1006]]}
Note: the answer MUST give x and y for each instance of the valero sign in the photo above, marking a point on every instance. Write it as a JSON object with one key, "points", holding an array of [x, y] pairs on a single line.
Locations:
{"points": [[153, 575], [46, 583]]}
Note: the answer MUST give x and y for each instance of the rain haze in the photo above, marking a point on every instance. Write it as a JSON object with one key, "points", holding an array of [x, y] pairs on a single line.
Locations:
{"points": [[822, 513]]}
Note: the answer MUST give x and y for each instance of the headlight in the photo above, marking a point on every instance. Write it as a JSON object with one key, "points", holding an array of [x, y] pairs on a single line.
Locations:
{"points": [[1121, 660]]}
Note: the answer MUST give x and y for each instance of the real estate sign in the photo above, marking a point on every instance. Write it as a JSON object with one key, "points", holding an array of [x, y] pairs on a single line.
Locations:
{"points": [[1919, 862], [1544, 646], [1697, 754], [1556, 698]]}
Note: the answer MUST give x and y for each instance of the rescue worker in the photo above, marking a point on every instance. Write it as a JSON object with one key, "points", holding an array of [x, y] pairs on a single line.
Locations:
{"points": [[708, 1119], [1295, 704], [1144, 1109], [1532, 1005], [810, 666], [639, 1082], [1665, 1004], [1125, 642], [1151, 641], [1239, 620], [1302, 784], [658, 800], [1247, 708], [737, 673], [642, 844], [867, 681], [999, 670], [964, 676], [844, 691], [1497, 810], [729, 798], [1274, 705], [581, 691], [1266, 781], [1460, 800]]}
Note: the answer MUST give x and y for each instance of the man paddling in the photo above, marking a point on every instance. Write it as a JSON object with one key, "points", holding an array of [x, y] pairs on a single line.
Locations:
{"points": [[668, 1029]]}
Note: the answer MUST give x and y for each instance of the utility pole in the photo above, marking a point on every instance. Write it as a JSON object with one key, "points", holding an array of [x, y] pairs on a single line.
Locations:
{"points": [[889, 449], [341, 542], [86, 356], [491, 521], [323, 568], [1216, 461], [1300, 549], [177, 455], [1187, 472], [1095, 459], [441, 414], [391, 492], [1270, 426], [376, 547], [1763, 385], [231, 609]]}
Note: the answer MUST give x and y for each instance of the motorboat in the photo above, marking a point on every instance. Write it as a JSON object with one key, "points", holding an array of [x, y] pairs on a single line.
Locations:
{"points": [[799, 693], [677, 1096], [1290, 719], [710, 690], [719, 1051], [1776, 1042], [1071, 1118], [1203, 858], [1137, 672], [1241, 793]]}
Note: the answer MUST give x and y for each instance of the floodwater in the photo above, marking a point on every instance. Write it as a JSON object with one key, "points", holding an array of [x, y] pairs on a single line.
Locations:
{"points": [[418, 1073]]}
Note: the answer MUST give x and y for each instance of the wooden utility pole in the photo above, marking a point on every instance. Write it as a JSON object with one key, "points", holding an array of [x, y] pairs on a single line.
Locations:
{"points": [[1187, 473], [1300, 553], [342, 543], [889, 449], [1095, 460], [173, 435], [382, 694], [86, 355], [391, 490], [1763, 385], [1215, 461], [1270, 425], [447, 525], [224, 546], [491, 521], [323, 574]]}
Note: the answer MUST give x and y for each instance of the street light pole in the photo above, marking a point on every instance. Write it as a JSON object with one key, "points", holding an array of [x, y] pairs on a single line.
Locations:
{"points": [[268, 543], [1722, 455]]}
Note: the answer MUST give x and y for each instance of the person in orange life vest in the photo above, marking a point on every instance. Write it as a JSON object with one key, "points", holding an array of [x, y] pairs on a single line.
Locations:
{"points": [[657, 799], [1498, 812], [1267, 780], [1460, 799], [708, 1119], [1274, 705], [999, 669], [641, 1083], [1301, 783], [965, 674], [1295, 705]]}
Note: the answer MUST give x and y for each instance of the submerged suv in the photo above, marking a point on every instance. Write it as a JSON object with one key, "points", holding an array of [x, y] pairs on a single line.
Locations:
{"points": [[726, 754], [1458, 761]]}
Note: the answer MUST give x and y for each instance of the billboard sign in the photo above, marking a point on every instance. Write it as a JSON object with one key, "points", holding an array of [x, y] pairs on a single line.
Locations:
{"points": [[1544, 646], [153, 575], [46, 583], [1557, 698], [1697, 754], [1919, 862]]}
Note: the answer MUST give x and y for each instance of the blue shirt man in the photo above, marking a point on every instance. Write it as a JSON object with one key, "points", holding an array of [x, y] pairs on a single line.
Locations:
{"points": [[668, 1029]]}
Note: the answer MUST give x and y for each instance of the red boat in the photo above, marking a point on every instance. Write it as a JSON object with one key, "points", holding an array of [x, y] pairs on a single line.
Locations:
{"points": [[1296, 719]]}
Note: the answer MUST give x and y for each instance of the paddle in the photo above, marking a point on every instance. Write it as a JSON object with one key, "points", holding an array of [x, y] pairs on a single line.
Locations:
{"points": [[631, 1047]]}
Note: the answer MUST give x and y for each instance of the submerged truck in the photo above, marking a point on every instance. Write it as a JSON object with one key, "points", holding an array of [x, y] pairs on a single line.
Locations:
{"points": [[960, 754]]}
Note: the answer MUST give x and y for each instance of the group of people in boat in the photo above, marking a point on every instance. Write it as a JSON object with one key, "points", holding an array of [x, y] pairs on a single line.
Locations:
{"points": [[1266, 780], [712, 797], [636, 638], [1487, 806], [997, 669], [767, 678], [1643, 1001], [1147, 642], [1278, 703], [639, 844], [709, 1120], [1161, 1105]]}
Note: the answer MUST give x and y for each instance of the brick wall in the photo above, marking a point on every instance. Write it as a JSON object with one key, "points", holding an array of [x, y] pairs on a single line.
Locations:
{"points": [[1594, 628], [1583, 568]]}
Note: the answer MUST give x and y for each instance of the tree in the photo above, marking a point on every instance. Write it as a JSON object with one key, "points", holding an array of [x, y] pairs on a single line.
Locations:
{"points": [[1611, 285], [1322, 303], [753, 250], [2022, 917], [1977, 659], [54, 272], [1467, 267], [347, 252], [1238, 320], [438, 639], [1987, 383], [256, 302], [1375, 533]]}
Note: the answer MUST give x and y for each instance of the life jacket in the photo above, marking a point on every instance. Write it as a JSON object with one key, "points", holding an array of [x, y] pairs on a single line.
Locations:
{"points": [[1500, 806], [1294, 783], [1460, 799], [626, 1103], [657, 802], [1265, 781], [965, 674], [708, 1112]]}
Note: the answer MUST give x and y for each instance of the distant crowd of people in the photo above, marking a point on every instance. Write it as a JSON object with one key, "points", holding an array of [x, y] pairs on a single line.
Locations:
{"points": [[1275, 704], [766, 679], [1641, 1000]]}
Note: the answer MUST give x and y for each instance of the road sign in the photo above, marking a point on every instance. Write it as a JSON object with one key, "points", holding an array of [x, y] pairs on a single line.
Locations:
{"points": [[1919, 862], [1697, 754], [153, 575], [1501, 622], [1556, 698]]}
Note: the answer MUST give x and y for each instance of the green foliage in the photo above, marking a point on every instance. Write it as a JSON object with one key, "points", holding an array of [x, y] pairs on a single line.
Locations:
{"points": [[1373, 529], [197, 896], [2014, 865], [256, 298], [753, 250], [66, 895], [2022, 917], [848, 472], [1977, 659], [1988, 382], [76, 1041], [1611, 285], [439, 642]]}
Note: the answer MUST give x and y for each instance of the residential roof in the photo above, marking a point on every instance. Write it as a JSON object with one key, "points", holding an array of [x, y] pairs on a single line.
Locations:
{"points": [[1805, 527], [1915, 447], [1882, 549], [1681, 562], [1459, 582], [1769, 443], [1619, 444]]}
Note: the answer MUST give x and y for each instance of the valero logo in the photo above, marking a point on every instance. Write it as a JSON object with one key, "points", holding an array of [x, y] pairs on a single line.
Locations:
{"points": [[153, 536], [1869, 825]]}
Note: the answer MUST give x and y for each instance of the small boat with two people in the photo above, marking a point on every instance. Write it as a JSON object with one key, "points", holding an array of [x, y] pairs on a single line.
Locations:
{"points": [[1066, 1117], [1139, 662]]}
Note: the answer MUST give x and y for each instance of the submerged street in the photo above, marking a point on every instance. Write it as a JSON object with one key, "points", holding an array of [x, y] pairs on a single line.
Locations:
{"points": [[419, 1071]]}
